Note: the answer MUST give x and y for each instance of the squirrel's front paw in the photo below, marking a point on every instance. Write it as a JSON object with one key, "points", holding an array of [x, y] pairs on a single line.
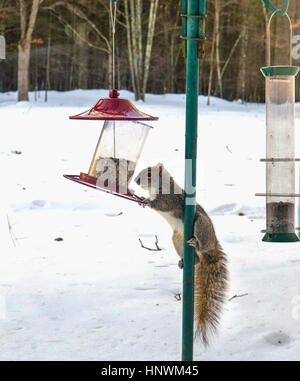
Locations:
{"points": [[192, 242], [147, 202], [180, 263]]}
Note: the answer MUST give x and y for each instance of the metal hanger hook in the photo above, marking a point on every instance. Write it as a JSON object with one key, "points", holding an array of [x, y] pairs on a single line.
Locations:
{"points": [[283, 11], [269, 38]]}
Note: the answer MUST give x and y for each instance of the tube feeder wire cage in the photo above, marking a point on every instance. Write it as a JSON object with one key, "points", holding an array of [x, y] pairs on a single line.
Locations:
{"points": [[119, 147], [280, 149]]}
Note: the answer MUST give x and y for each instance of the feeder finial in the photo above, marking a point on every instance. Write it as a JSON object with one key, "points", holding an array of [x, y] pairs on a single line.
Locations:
{"points": [[114, 93]]}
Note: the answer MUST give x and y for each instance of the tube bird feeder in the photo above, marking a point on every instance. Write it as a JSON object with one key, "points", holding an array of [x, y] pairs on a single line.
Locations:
{"points": [[280, 150], [119, 147]]}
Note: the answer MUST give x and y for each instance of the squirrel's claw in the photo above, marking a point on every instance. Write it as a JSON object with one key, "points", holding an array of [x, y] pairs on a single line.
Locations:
{"points": [[192, 242], [180, 264], [147, 201]]}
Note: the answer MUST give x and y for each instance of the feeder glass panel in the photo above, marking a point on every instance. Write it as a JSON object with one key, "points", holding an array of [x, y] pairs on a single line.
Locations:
{"points": [[117, 152], [280, 98]]}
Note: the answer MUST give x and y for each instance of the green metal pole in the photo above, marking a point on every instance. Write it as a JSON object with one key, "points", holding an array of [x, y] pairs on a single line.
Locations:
{"points": [[184, 24], [195, 32]]}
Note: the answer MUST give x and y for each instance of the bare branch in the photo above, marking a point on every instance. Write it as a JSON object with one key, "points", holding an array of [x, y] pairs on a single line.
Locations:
{"points": [[32, 18], [230, 2], [237, 296], [73, 9], [230, 54], [64, 22], [13, 238], [148, 248]]}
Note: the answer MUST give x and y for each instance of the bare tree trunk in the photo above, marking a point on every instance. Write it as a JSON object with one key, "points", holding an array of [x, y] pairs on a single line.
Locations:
{"points": [[172, 64], [130, 56], [110, 59], [119, 84], [135, 51], [243, 54], [173, 53], [23, 71], [211, 69], [82, 55], [81, 49], [216, 37], [24, 46], [266, 28], [218, 63], [71, 68], [139, 36], [48, 86], [109, 71], [36, 76], [139, 56], [151, 28]]}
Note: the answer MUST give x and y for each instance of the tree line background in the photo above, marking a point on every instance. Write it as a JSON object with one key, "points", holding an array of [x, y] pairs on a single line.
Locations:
{"points": [[65, 45]]}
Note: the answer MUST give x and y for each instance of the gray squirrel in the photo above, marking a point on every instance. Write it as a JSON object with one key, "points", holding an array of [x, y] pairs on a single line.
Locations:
{"points": [[211, 275]]}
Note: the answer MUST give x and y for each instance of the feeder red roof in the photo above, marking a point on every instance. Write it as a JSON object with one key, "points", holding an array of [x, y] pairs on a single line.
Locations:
{"points": [[113, 108]]}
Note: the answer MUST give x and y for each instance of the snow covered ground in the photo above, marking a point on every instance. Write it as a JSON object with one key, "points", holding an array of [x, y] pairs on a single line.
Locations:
{"points": [[97, 295]]}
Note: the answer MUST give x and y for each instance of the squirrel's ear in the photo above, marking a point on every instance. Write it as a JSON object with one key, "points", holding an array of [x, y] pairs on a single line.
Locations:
{"points": [[160, 165]]}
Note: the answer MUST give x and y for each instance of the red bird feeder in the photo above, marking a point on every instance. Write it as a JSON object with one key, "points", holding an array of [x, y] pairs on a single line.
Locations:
{"points": [[119, 147]]}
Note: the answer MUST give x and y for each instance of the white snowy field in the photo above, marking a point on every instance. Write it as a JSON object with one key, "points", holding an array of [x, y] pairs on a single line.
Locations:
{"points": [[98, 295]]}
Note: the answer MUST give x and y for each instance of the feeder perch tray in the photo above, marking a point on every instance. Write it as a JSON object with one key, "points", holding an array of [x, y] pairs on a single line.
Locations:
{"points": [[91, 182]]}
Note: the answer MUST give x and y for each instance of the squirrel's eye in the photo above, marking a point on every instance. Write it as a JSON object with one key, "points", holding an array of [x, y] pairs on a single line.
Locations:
{"points": [[149, 174]]}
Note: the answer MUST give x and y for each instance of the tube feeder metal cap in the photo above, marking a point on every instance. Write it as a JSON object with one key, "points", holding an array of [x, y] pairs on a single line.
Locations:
{"points": [[280, 71]]}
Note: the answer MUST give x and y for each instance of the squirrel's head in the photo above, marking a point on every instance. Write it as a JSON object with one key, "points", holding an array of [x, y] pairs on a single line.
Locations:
{"points": [[157, 180], [149, 178]]}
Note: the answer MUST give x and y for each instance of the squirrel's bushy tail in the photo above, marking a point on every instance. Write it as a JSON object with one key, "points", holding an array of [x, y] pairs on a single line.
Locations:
{"points": [[211, 277]]}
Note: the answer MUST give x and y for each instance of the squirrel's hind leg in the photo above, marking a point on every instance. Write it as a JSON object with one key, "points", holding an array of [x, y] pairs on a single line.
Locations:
{"points": [[180, 262]]}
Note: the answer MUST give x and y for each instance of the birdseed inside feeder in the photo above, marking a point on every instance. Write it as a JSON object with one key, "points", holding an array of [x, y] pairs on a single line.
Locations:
{"points": [[119, 147]]}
